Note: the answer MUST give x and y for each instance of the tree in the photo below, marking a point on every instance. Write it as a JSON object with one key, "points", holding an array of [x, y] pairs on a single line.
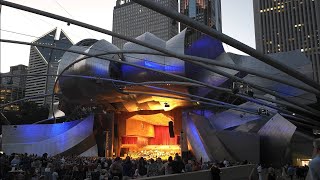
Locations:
{"points": [[29, 113]]}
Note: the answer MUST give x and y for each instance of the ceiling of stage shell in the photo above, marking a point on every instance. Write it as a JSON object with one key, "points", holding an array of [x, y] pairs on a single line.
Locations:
{"points": [[158, 119]]}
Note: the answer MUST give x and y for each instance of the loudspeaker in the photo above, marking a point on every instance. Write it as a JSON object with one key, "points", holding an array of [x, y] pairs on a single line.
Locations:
{"points": [[171, 132]]}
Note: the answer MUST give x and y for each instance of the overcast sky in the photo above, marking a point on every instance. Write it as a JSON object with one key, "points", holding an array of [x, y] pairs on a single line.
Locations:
{"points": [[237, 22]]}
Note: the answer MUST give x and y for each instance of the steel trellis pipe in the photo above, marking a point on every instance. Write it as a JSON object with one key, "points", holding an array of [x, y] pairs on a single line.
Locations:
{"points": [[220, 103], [147, 84], [172, 75], [165, 73], [97, 55], [228, 40], [66, 21], [140, 43], [295, 117], [208, 61]]}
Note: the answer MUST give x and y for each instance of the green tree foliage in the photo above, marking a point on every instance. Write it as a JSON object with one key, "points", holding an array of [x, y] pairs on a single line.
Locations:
{"points": [[29, 113]]}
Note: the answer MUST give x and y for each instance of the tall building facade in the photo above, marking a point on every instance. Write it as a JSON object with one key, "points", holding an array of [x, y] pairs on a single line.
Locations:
{"points": [[13, 88], [289, 25], [45, 61], [132, 20], [207, 12]]}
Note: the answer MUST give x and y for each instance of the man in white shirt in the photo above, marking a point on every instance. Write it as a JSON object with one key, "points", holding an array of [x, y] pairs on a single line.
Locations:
{"points": [[226, 163], [259, 169], [314, 165]]}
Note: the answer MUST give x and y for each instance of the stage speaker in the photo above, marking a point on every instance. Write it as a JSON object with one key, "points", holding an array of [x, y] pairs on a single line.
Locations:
{"points": [[171, 131]]}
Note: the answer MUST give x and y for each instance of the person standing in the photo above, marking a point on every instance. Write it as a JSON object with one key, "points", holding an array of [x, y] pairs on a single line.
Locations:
{"points": [[177, 165], [291, 172], [314, 165], [142, 168], [128, 170], [259, 169], [153, 169], [116, 168], [226, 163], [215, 172], [271, 173], [167, 167]]}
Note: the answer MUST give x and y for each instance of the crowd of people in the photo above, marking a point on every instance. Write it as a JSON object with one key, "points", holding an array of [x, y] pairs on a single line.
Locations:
{"points": [[24, 166], [286, 172]]}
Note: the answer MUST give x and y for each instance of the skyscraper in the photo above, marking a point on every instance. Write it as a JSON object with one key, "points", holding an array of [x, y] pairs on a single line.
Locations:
{"points": [[289, 25], [207, 12], [13, 88], [45, 61], [132, 20]]}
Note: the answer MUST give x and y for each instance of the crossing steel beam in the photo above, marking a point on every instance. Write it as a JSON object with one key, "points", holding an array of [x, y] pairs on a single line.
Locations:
{"points": [[228, 40]]}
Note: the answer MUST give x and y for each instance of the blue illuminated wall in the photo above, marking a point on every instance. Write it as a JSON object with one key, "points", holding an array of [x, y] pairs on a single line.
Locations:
{"points": [[206, 47], [47, 138]]}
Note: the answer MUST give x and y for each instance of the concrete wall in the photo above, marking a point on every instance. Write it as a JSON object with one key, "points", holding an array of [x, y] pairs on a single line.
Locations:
{"points": [[230, 173]]}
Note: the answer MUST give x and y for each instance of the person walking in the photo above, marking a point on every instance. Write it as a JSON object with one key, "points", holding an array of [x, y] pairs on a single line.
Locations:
{"points": [[314, 165]]}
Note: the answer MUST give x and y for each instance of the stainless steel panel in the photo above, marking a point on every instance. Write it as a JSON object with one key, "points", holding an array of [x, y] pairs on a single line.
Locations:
{"points": [[275, 138]]}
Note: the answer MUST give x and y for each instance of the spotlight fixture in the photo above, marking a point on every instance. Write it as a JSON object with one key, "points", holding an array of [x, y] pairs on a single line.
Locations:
{"points": [[262, 111], [249, 92], [237, 87], [316, 131], [166, 105]]}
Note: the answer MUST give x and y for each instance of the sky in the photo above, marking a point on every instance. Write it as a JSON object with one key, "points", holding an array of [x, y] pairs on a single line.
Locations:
{"points": [[237, 22]]}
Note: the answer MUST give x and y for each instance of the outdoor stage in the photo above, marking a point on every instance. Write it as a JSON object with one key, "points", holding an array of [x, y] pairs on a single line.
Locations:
{"points": [[143, 134]]}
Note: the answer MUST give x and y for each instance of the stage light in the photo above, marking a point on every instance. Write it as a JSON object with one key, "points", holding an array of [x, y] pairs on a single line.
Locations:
{"points": [[293, 114], [250, 93], [262, 111], [166, 105], [316, 131]]}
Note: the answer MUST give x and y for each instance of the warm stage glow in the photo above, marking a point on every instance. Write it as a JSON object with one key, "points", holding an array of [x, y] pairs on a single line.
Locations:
{"points": [[154, 102], [154, 151], [146, 134], [158, 119]]}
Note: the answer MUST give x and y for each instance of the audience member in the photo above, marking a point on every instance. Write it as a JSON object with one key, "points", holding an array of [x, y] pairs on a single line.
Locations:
{"points": [[314, 165]]}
